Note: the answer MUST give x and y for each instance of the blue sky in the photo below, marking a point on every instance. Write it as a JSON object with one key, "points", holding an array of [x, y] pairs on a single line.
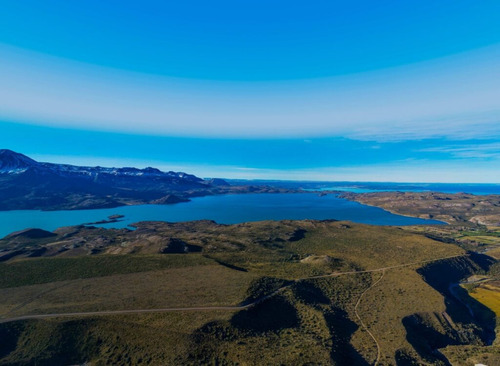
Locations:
{"points": [[358, 90]]}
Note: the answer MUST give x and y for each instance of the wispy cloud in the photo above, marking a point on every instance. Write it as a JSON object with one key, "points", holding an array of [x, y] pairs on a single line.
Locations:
{"points": [[463, 126], [475, 151], [456, 97], [418, 171]]}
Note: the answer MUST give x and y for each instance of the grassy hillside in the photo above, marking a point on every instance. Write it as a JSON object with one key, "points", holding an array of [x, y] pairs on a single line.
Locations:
{"points": [[37, 271], [348, 317]]}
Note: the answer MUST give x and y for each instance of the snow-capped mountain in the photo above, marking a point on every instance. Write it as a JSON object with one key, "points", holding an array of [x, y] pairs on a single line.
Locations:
{"points": [[26, 183], [14, 163]]}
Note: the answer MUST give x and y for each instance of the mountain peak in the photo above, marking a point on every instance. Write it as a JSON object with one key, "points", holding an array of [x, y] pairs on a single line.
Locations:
{"points": [[15, 163], [8, 152], [11, 161]]}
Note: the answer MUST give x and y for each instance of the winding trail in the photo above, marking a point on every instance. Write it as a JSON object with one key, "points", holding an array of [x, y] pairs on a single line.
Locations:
{"points": [[226, 308], [361, 321]]}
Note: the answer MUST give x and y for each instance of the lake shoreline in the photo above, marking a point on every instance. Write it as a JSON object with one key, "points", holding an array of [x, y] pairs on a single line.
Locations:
{"points": [[224, 209]]}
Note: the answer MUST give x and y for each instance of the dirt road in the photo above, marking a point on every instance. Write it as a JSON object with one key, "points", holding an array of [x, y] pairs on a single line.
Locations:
{"points": [[212, 308]]}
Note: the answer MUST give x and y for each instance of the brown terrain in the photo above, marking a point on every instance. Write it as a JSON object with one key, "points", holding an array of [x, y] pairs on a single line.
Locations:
{"points": [[287, 292], [451, 208]]}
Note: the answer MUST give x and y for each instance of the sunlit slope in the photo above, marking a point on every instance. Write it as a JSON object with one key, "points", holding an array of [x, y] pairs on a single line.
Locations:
{"points": [[365, 279]]}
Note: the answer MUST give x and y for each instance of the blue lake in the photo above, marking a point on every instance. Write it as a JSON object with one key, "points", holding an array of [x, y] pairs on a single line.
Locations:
{"points": [[224, 209], [349, 189]]}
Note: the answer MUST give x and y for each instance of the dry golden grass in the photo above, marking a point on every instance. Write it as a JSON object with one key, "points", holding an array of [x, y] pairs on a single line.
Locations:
{"points": [[371, 247], [495, 253], [207, 285], [489, 295], [324, 309], [404, 292]]}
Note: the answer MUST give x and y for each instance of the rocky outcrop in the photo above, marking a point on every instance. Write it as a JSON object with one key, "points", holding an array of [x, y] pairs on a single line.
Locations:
{"points": [[174, 245], [169, 199]]}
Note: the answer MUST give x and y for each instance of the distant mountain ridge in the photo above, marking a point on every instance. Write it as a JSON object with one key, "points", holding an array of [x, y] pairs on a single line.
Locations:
{"points": [[15, 163], [27, 184]]}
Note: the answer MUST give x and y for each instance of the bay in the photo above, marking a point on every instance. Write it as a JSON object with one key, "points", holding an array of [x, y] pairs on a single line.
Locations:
{"points": [[224, 209]]}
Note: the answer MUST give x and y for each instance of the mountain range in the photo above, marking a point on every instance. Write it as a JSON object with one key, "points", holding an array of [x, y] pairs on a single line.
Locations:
{"points": [[29, 184]]}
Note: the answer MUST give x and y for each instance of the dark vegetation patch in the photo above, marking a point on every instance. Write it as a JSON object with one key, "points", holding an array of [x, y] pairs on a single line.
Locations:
{"points": [[11, 254], [266, 319], [226, 264], [37, 252], [31, 234], [206, 342], [264, 286], [333, 297], [194, 248], [442, 273], [310, 294], [273, 319], [9, 334], [43, 270], [174, 245], [440, 238], [403, 358], [55, 344], [273, 314], [494, 270], [426, 339], [98, 341], [341, 329], [297, 235], [480, 314]]}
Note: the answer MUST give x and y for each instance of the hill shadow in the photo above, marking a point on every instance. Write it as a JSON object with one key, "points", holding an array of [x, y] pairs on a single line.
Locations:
{"points": [[465, 320]]}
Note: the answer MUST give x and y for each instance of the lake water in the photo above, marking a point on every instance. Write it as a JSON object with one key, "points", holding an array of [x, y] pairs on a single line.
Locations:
{"points": [[224, 209], [365, 187], [348, 189]]}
